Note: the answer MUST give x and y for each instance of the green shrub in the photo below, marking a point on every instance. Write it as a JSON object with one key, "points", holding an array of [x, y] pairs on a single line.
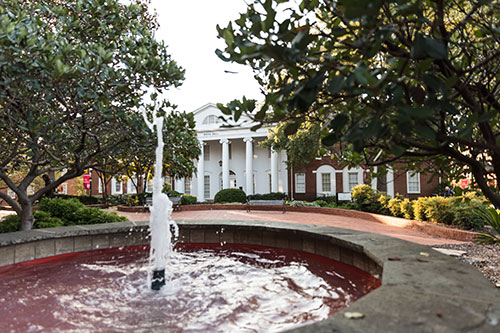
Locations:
{"points": [[84, 199], [406, 207], [383, 199], [349, 205], [44, 220], [230, 195], [321, 203], [366, 198], [268, 196], [118, 200], [419, 208], [298, 203], [394, 206], [187, 199], [328, 199], [64, 209], [91, 215], [174, 194], [467, 218], [10, 223], [167, 187], [438, 209], [491, 217]]}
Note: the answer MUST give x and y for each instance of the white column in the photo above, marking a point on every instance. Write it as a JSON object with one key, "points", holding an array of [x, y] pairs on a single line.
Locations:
{"points": [[225, 163], [274, 171], [374, 179], [249, 165], [390, 181], [201, 174]]}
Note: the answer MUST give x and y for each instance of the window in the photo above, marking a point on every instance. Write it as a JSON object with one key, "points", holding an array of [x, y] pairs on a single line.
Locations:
{"points": [[230, 151], [413, 182], [352, 179], [253, 183], [269, 153], [99, 189], [326, 182], [187, 185], [209, 120], [270, 182], [300, 183], [206, 152], [206, 188], [116, 186]]}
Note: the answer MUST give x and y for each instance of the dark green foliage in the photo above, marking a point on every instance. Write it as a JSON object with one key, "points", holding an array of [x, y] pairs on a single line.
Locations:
{"points": [[268, 196], [230, 195], [174, 194], [187, 199], [44, 220], [64, 209], [321, 203], [73, 212], [329, 199], [10, 223], [85, 199], [491, 217], [382, 80]]}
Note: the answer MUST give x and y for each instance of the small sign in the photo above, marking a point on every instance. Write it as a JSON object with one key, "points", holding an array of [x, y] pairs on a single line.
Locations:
{"points": [[464, 183], [344, 196]]}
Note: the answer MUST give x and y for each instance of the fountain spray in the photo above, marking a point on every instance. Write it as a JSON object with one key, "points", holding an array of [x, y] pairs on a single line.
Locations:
{"points": [[161, 210]]}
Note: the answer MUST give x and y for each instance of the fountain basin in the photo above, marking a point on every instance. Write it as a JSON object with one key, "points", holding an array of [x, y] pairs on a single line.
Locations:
{"points": [[421, 289]]}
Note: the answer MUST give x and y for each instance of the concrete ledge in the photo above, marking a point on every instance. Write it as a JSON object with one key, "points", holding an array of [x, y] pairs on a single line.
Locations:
{"points": [[422, 290]]}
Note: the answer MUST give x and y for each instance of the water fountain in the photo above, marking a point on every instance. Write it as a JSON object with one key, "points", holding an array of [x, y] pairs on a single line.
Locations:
{"points": [[161, 210]]}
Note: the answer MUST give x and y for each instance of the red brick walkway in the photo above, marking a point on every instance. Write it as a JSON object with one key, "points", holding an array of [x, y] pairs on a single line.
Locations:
{"points": [[304, 218]]}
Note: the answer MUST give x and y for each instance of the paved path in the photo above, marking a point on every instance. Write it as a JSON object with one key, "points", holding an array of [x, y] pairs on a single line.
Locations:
{"points": [[304, 218]]}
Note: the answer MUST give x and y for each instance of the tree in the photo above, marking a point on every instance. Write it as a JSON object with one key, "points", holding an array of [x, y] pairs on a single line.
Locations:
{"points": [[73, 75], [396, 80], [181, 149]]}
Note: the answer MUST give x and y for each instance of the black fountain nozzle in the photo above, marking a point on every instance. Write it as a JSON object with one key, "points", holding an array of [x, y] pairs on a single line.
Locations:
{"points": [[158, 280]]}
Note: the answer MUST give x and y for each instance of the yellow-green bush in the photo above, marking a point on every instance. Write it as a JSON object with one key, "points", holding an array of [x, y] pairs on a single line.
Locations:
{"points": [[406, 207], [394, 206]]}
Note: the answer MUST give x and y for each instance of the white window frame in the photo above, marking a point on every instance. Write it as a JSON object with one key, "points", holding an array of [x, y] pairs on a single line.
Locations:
{"points": [[409, 176], [211, 120], [206, 152], [206, 186], [349, 174], [114, 182], [99, 187], [300, 185], [11, 193], [187, 185], [269, 177], [326, 176], [323, 169]]}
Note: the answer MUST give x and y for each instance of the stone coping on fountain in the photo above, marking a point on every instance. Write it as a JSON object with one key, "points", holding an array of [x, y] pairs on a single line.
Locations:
{"points": [[422, 290]]}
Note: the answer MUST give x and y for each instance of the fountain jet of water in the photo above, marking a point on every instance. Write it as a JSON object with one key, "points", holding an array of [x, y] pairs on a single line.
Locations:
{"points": [[161, 210]]}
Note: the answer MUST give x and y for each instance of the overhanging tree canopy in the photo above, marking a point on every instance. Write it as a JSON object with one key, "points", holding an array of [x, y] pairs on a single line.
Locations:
{"points": [[72, 75], [400, 79]]}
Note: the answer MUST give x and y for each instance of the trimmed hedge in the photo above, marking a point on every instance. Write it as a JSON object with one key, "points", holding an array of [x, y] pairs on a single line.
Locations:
{"points": [[187, 199], [84, 199], [230, 195]]}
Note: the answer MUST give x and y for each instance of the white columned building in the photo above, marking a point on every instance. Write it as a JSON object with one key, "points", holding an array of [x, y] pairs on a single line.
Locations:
{"points": [[233, 158]]}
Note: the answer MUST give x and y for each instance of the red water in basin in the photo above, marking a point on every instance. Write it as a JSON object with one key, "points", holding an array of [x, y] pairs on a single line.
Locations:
{"points": [[211, 289]]}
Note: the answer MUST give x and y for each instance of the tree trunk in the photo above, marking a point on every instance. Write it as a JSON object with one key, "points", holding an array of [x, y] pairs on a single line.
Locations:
{"points": [[26, 216]]}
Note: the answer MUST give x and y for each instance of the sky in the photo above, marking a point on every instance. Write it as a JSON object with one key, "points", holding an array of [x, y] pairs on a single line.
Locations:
{"points": [[189, 29]]}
